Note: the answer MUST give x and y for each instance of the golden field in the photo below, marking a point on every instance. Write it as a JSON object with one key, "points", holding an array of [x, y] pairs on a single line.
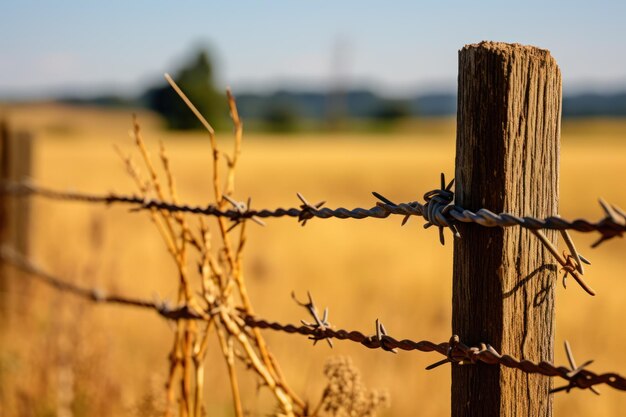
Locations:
{"points": [[360, 269]]}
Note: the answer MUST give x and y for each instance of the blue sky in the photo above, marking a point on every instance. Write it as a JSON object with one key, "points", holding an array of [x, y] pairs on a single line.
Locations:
{"points": [[398, 47]]}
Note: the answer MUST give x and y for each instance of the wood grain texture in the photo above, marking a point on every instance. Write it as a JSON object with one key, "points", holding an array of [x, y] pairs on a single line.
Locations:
{"points": [[508, 132]]}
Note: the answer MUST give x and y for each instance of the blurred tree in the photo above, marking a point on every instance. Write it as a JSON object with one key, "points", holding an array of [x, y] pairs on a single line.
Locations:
{"points": [[281, 116], [391, 111], [196, 80]]}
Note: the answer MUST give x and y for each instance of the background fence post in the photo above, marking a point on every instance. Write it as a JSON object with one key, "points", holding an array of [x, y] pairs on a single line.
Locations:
{"points": [[509, 114], [15, 165]]}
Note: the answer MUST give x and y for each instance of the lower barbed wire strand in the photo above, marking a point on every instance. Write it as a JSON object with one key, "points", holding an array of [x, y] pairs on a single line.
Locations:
{"points": [[461, 353], [454, 350]]}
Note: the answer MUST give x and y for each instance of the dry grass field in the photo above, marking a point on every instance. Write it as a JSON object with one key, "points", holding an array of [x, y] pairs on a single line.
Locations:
{"points": [[115, 357]]}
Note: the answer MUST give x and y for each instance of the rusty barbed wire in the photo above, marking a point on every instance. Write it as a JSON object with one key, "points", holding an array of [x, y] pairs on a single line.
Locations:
{"points": [[438, 210], [163, 308], [455, 351]]}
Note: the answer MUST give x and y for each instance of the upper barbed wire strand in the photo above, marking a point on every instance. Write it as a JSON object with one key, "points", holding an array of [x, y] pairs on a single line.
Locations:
{"points": [[437, 210]]}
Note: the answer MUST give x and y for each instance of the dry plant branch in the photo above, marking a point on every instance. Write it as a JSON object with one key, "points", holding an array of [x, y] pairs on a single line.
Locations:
{"points": [[233, 257], [217, 274]]}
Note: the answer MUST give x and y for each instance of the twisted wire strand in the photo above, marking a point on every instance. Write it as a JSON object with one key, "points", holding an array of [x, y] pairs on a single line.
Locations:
{"points": [[96, 295], [438, 210], [454, 350]]}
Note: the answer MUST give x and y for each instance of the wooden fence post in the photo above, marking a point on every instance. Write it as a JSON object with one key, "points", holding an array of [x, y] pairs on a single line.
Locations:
{"points": [[507, 160], [15, 165]]}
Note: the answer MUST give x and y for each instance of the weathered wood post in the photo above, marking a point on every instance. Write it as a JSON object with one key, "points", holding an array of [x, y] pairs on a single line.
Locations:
{"points": [[507, 160], [4, 213], [15, 165]]}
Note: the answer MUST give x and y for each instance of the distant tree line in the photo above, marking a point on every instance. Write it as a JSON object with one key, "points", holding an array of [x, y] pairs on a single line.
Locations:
{"points": [[290, 110], [281, 111]]}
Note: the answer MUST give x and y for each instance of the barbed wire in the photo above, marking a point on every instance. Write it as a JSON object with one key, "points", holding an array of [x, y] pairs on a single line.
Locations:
{"points": [[96, 295], [438, 210], [455, 351]]}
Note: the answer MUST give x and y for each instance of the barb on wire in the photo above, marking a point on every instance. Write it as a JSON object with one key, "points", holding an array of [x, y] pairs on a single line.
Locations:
{"points": [[242, 208], [308, 209], [571, 264], [320, 324], [437, 210], [574, 370], [380, 332], [437, 204], [614, 216], [578, 258], [454, 350]]}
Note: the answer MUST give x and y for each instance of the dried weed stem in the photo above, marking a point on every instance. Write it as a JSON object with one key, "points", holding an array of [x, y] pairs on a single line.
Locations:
{"points": [[220, 281]]}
